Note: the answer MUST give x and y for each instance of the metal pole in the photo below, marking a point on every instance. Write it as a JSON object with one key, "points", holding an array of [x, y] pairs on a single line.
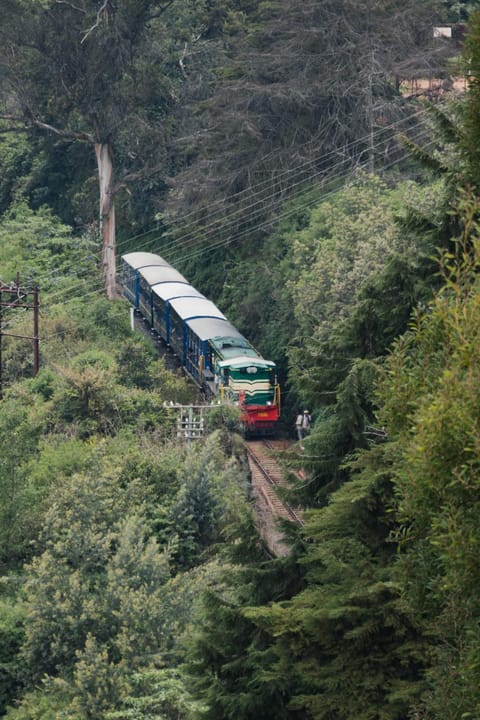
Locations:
{"points": [[1, 314], [36, 342], [19, 298]]}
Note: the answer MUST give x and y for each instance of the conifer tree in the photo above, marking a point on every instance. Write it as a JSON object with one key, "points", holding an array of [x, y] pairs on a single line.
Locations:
{"points": [[232, 658], [472, 115], [431, 407], [346, 644]]}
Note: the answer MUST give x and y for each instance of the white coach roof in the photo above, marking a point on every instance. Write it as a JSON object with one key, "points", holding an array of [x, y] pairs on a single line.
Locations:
{"points": [[208, 328], [155, 274], [196, 307], [171, 290], [143, 259]]}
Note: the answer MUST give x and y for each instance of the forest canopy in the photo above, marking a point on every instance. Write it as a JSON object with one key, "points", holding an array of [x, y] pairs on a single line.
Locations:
{"points": [[275, 153]]}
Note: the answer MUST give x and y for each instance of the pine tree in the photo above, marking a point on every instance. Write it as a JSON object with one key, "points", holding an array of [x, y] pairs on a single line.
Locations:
{"points": [[431, 407], [346, 643], [231, 659]]}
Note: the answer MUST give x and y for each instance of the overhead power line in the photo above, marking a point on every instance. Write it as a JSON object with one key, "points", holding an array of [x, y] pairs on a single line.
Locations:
{"points": [[292, 177], [190, 240], [254, 191], [187, 246], [309, 201]]}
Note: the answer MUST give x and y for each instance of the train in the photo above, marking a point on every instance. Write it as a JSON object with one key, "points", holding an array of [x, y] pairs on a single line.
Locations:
{"points": [[217, 357]]}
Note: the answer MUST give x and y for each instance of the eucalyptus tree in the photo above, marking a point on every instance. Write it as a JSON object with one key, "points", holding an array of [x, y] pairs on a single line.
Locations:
{"points": [[93, 72]]}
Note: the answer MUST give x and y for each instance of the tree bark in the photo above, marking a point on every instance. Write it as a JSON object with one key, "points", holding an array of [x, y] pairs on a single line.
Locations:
{"points": [[103, 152]]}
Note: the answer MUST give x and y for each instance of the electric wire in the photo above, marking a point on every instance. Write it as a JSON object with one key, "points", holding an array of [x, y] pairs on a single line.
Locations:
{"points": [[182, 243], [212, 226], [247, 213], [255, 190], [267, 181], [316, 190], [282, 193], [314, 200]]}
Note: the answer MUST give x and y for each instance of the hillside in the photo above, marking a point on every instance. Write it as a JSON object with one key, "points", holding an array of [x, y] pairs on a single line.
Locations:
{"points": [[335, 223]]}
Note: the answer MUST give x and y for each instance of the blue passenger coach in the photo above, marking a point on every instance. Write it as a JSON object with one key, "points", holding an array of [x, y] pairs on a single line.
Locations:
{"points": [[212, 351]]}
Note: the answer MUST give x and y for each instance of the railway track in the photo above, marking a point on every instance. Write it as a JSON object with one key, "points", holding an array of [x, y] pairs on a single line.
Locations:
{"points": [[267, 477]]}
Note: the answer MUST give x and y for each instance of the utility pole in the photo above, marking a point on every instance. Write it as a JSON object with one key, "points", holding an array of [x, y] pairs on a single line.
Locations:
{"points": [[14, 296]]}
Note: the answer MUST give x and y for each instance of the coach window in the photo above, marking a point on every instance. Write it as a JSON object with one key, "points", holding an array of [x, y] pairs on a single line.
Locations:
{"points": [[129, 274], [144, 287]]}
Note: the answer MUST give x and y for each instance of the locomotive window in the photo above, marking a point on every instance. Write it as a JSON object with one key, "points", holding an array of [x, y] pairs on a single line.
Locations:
{"points": [[252, 370]]}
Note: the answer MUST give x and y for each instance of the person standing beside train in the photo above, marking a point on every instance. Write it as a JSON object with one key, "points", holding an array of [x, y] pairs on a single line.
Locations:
{"points": [[298, 426], [302, 424]]}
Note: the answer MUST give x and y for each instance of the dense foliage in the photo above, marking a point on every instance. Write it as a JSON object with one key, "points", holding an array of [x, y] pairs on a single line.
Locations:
{"points": [[134, 583], [107, 524], [431, 405]]}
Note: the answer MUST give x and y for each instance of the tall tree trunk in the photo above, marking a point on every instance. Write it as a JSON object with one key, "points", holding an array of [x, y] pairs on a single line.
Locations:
{"points": [[103, 152]]}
